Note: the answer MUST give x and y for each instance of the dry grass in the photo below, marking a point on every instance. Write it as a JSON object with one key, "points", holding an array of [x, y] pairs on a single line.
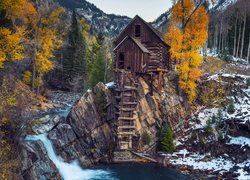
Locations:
{"points": [[237, 69], [212, 65]]}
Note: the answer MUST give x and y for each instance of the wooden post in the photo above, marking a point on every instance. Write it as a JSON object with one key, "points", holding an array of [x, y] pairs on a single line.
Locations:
{"points": [[160, 81], [151, 84]]}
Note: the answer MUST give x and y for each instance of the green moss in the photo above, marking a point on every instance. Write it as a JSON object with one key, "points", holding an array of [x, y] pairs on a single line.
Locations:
{"points": [[100, 103], [146, 139]]}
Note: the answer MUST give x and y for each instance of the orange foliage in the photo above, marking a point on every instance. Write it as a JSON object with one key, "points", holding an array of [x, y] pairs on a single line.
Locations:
{"points": [[48, 41], [18, 9], [10, 45], [187, 33]]}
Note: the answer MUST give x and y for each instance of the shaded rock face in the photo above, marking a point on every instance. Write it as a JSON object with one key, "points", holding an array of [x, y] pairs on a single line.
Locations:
{"points": [[85, 135], [36, 163], [159, 110], [91, 138]]}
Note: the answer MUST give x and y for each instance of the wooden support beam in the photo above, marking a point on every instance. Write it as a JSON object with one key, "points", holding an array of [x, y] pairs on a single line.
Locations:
{"points": [[126, 118], [127, 109]]}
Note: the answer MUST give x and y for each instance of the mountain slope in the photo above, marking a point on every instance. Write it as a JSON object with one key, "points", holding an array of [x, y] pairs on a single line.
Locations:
{"points": [[220, 5], [109, 24]]}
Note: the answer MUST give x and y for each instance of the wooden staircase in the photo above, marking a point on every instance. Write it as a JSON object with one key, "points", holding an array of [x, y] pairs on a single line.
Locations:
{"points": [[126, 95]]}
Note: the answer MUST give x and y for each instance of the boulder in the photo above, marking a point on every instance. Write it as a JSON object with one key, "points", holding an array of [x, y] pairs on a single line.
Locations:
{"points": [[36, 163], [44, 124]]}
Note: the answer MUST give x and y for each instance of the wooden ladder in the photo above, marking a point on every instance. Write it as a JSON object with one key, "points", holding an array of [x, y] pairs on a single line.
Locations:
{"points": [[127, 104]]}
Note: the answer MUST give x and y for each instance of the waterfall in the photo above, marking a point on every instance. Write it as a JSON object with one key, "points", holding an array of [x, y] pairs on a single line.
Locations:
{"points": [[70, 171]]}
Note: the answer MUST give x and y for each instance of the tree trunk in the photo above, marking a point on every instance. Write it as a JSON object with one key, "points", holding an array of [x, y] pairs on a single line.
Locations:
{"points": [[220, 38], [243, 35], [34, 70], [235, 35], [106, 68], [238, 46], [222, 42], [248, 51], [215, 39]]}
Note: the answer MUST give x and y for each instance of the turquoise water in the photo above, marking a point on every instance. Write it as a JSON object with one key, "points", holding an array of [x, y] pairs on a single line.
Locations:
{"points": [[72, 171], [142, 172]]}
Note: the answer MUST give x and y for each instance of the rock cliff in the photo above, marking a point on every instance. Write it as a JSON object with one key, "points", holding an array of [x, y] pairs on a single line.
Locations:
{"points": [[88, 134]]}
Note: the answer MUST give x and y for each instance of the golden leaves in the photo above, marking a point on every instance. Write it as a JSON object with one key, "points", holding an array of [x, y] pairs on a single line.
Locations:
{"points": [[187, 33], [48, 41], [10, 45], [18, 9]]}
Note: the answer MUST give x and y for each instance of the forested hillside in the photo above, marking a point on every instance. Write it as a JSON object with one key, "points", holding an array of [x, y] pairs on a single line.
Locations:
{"points": [[229, 31], [42, 46]]}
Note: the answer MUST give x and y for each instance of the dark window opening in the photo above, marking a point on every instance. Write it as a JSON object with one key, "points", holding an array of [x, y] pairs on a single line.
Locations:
{"points": [[125, 139], [121, 60], [137, 30]]}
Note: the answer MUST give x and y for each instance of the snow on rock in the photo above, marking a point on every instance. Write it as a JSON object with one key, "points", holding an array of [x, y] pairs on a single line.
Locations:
{"points": [[203, 116], [216, 76], [177, 143], [242, 141], [110, 84], [202, 162]]}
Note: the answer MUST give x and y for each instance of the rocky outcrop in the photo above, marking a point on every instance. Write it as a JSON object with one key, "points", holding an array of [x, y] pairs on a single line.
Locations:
{"points": [[85, 135], [88, 134], [44, 124], [159, 110], [36, 163]]}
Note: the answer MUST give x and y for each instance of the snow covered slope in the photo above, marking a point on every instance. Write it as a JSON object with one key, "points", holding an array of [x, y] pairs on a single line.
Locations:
{"points": [[220, 5]]}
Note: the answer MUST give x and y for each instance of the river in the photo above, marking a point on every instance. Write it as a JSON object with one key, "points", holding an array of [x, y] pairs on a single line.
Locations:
{"points": [[72, 171]]}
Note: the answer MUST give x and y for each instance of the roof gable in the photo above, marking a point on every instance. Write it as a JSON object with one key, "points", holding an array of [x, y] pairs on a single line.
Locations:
{"points": [[142, 48], [138, 18]]}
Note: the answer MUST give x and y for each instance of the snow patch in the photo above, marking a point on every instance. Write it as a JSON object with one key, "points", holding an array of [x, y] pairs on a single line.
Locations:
{"points": [[110, 84], [242, 141]]}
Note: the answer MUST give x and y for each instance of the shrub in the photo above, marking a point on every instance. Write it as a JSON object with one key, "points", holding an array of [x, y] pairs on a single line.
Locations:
{"points": [[213, 119], [167, 143], [219, 118], [225, 57], [231, 107], [146, 139], [101, 102], [248, 81], [27, 76], [208, 127], [220, 135]]}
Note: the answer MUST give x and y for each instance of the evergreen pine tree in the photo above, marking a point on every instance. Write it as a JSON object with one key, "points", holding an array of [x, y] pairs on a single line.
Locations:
{"points": [[167, 143], [74, 53], [231, 107], [98, 69]]}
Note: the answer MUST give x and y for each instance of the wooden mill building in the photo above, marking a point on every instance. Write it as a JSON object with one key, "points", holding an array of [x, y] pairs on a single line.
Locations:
{"points": [[140, 51]]}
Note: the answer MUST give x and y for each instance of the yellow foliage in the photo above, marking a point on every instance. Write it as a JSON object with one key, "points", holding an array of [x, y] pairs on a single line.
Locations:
{"points": [[48, 41], [7, 158], [27, 76], [10, 44], [38, 82], [18, 9], [52, 19], [85, 28], [187, 33]]}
